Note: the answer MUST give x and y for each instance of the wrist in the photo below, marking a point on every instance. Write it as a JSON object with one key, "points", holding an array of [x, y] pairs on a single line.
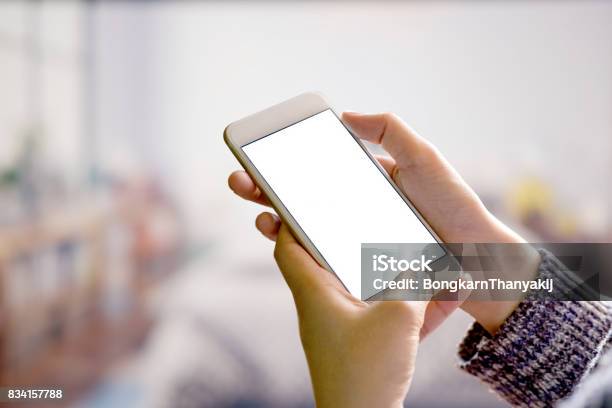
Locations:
{"points": [[383, 398], [491, 314], [357, 394]]}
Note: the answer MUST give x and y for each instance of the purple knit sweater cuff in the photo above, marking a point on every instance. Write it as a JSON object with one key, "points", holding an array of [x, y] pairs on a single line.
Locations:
{"points": [[544, 348]]}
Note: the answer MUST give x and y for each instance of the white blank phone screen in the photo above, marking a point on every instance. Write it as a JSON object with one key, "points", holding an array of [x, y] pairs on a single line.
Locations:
{"points": [[335, 192]]}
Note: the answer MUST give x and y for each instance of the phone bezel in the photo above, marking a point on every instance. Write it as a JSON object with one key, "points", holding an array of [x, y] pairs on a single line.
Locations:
{"points": [[287, 113]]}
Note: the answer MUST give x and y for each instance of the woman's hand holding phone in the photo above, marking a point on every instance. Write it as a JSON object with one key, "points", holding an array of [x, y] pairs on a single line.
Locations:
{"points": [[434, 187], [357, 351], [359, 354]]}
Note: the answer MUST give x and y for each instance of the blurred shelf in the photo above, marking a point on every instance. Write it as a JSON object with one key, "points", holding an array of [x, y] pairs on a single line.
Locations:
{"points": [[76, 362], [58, 225], [105, 257]]}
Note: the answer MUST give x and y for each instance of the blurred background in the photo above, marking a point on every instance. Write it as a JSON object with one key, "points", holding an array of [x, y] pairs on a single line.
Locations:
{"points": [[131, 276]]}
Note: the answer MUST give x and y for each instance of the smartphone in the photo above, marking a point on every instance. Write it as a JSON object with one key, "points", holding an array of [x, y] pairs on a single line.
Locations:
{"points": [[325, 185]]}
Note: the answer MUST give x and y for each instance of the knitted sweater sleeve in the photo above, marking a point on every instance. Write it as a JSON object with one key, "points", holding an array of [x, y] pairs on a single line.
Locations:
{"points": [[544, 348]]}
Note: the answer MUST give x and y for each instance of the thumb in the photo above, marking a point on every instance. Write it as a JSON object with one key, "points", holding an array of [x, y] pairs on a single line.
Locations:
{"points": [[403, 144], [304, 276]]}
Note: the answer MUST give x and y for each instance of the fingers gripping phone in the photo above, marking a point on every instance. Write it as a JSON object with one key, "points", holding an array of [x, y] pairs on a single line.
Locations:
{"points": [[324, 184]]}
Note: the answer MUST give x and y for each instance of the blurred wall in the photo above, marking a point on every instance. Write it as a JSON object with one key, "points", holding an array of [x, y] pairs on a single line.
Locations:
{"points": [[513, 88], [41, 86], [126, 91]]}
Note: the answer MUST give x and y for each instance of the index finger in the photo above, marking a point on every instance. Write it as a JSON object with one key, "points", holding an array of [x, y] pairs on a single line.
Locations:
{"points": [[243, 185]]}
